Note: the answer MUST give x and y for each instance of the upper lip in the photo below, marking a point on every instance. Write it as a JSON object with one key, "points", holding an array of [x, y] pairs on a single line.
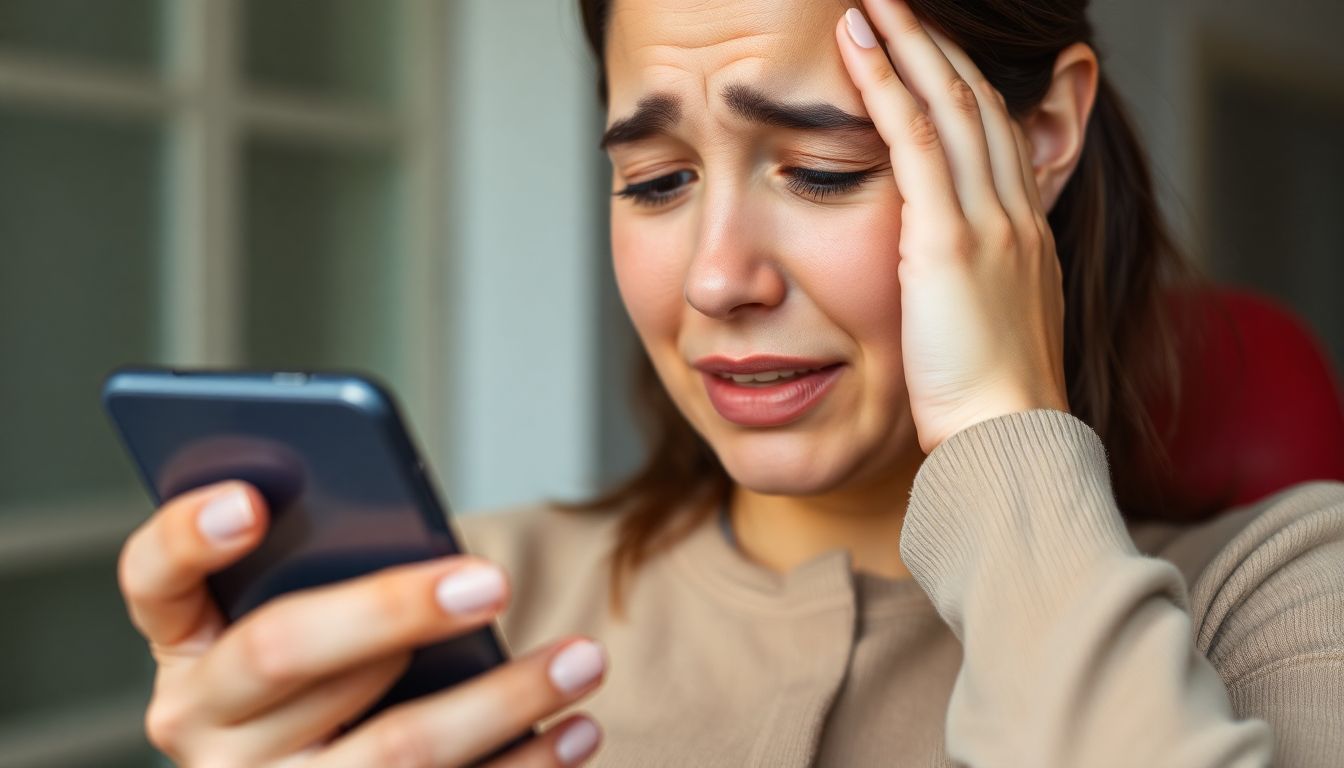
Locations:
{"points": [[721, 365]]}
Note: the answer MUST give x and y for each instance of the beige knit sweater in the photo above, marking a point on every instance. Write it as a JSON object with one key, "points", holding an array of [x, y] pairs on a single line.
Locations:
{"points": [[1039, 631]]}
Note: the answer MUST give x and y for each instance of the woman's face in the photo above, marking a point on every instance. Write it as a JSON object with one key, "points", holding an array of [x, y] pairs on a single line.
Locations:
{"points": [[746, 265]]}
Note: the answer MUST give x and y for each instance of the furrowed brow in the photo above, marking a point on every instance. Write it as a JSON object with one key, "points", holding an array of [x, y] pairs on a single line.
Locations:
{"points": [[659, 113], [656, 114], [756, 106]]}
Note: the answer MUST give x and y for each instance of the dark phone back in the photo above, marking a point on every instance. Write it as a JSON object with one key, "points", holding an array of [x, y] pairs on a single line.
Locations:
{"points": [[347, 493]]}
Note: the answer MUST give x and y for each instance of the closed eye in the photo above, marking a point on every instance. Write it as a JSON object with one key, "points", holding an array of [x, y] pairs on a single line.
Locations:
{"points": [[810, 183]]}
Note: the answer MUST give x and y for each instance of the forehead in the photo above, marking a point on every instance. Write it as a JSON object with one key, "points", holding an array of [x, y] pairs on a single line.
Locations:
{"points": [[695, 48]]}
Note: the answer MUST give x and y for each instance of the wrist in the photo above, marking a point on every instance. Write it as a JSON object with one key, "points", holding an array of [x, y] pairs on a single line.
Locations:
{"points": [[993, 407]]}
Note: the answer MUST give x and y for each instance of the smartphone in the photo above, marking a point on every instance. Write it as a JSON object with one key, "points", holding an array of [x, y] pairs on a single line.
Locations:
{"points": [[347, 491]]}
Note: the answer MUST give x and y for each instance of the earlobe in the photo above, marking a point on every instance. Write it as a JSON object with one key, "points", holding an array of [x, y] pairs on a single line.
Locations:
{"points": [[1058, 126]]}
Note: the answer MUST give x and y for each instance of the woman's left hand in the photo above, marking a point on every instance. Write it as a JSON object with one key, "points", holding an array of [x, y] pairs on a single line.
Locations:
{"points": [[982, 304]]}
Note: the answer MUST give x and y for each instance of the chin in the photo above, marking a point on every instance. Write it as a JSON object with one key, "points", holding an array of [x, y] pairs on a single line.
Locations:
{"points": [[812, 462], [779, 464]]}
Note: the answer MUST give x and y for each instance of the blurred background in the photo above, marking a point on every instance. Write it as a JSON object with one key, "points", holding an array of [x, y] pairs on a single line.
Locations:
{"points": [[412, 187]]}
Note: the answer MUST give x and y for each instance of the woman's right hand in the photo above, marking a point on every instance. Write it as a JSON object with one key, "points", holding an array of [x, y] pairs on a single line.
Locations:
{"points": [[274, 688]]}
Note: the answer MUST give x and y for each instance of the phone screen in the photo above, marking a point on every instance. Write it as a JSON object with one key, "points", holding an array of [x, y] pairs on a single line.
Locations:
{"points": [[346, 491]]}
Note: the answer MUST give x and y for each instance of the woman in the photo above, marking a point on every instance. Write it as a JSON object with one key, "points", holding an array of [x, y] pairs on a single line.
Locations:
{"points": [[878, 525]]}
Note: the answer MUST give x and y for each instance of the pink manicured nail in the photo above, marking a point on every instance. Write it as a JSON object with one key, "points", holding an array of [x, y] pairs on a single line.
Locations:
{"points": [[470, 589], [577, 742], [859, 31], [226, 516], [577, 665]]}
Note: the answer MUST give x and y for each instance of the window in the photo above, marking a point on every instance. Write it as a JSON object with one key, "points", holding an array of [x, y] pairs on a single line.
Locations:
{"points": [[185, 182]]}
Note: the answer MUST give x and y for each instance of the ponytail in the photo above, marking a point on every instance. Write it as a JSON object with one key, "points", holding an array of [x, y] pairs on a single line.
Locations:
{"points": [[1121, 267]]}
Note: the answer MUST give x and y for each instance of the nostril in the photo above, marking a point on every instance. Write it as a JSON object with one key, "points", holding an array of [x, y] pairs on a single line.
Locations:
{"points": [[722, 293]]}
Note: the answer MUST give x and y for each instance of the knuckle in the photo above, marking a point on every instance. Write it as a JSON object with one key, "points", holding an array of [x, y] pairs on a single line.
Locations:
{"points": [[129, 576], [999, 234], [910, 24], [1030, 242], [988, 95], [401, 743], [962, 97], [165, 721], [267, 651], [923, 133], [1031, 239], [961, 243], [884, 75]]}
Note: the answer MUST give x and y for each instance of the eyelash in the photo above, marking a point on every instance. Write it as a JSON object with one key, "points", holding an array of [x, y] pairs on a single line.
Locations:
{"points": [[804, 181]]}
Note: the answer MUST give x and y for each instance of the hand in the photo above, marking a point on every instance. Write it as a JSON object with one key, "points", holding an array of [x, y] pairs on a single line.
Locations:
{"points": [[982, 302], [274, 688]]}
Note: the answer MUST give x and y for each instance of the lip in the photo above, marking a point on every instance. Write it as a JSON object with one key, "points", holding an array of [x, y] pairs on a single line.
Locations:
{"points": [[757, 364], [766, 405]]}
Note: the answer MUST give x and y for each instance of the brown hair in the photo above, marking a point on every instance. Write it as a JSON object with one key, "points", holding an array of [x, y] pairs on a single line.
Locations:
{"points": [[1119, 262]]}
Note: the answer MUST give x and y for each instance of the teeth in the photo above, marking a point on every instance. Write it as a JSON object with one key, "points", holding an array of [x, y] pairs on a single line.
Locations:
{"points": [[764, 377]]}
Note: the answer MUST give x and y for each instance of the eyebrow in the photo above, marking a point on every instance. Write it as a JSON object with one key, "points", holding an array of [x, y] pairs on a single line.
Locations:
{"points": [[658, 113]]}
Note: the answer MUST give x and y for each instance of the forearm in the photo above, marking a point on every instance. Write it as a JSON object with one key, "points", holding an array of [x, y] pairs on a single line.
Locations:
{"points": [[1077, 649]]}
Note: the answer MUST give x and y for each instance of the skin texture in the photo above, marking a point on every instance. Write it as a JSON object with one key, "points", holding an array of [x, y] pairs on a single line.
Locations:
{"points": [[273, 688], [935, 282], [738, 264]]}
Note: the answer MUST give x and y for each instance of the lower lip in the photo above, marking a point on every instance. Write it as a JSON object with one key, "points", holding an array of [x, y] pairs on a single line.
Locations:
{"points": [[769, 405]]}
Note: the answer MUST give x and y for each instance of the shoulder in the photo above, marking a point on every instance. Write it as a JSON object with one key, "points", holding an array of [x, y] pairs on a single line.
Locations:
{"points": [[536, 535], [1266, 579]]}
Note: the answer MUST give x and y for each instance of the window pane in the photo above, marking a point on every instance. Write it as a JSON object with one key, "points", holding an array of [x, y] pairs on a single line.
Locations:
{"points": [[323, 257], [80, 234], [74, 646], [126, 32], [337, 48]]}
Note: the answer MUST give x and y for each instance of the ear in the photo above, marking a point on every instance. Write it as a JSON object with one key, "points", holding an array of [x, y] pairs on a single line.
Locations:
{"points": [[1058, 125]]}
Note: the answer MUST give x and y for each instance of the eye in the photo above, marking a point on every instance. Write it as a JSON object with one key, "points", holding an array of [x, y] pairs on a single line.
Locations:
{"points": [[807, 182], [819, 184], [657, 192]]}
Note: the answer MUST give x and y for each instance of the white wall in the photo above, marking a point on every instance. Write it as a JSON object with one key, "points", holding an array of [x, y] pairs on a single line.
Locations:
{"points": [[1152, 48], [525, 241]]}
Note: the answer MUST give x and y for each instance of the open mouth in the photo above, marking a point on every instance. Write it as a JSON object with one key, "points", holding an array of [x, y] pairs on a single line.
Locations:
{"points": [[768, 398], [767, 377]]}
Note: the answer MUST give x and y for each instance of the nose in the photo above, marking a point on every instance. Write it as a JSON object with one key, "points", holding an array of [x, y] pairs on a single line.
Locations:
{"points": [[732, 269]]}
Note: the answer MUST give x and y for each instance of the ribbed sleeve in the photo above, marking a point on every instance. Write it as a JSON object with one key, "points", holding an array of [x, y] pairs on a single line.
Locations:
{"points": [[1077, 649]]}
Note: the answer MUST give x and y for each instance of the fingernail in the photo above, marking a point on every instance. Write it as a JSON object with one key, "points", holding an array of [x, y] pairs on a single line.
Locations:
{"points": [[470, 589], [859, 31], [577, 665], [577, 742], [226, 516]]}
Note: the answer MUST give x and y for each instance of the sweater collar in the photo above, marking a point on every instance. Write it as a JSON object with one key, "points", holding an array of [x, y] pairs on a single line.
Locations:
{"points": [[709, 556]]}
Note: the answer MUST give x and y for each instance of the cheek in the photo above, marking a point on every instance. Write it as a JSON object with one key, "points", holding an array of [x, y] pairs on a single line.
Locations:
{"points": [[649, 277], [847, 265]]}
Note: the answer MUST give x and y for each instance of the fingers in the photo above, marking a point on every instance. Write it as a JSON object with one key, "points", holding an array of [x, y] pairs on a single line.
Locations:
{"points": [[568, 743], [1028, 170], [998, 126], [918, 160], [315, 714], [458, 726], [294, 640], [952, 103], [164, 562]]}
